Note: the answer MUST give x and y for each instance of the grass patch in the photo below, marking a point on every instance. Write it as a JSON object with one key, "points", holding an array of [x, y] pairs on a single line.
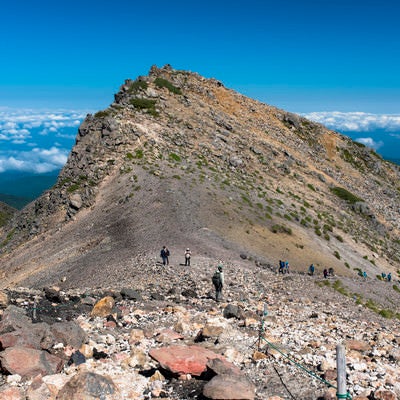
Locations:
{"points": [[137, 85], [336, 254], [102, 114], [277, 228], [164, 83], [175, 157], [144, 104], [8, 237], [396, 288], [345, 195]]}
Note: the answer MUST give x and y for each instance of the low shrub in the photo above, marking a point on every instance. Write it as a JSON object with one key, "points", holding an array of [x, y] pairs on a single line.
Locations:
{"points": [[161, 82], [345, 195]]}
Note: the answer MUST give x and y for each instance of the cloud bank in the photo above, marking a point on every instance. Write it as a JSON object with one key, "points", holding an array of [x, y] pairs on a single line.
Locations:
{"points": [[356, 121], [36, 141]]}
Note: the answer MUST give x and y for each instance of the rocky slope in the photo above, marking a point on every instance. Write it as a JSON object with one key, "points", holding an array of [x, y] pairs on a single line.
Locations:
{"points": [[6, 213], [181, 160], [128, 340]]}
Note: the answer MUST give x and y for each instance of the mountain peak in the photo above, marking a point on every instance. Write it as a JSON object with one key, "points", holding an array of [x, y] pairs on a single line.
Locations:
{"points": [[182, 160]]}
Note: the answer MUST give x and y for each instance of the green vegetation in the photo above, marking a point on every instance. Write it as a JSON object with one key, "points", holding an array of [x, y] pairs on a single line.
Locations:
{"points": [[175, 157], [396, 288], [129, 156], [337, 285], [336, 254], [102, 114], [277, 228], [339, 238], [139, 154], [345, 195], [310, 186], [137, 85], [145, 104], [8, 237], [160, 82]]}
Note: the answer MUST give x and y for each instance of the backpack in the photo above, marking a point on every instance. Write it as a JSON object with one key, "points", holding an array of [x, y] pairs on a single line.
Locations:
{"points": [[216, 279]]}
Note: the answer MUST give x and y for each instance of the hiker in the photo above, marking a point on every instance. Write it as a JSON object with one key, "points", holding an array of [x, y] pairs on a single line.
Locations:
{"points": [[311, 269], [281, 267], [164, 254], [188, 253], [364, 275], [325, 273], [286, 267], [383, 275], [389, 276], [331, 272], [218, 282]]}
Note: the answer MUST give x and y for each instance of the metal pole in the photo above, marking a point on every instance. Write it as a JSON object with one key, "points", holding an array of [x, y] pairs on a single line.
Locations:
{"points": [[341, 372]]}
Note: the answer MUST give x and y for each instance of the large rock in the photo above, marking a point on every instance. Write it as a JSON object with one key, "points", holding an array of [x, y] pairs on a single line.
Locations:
{"points": [[29, 362], [103, 307], [229, 387], [11, 393], [69, 333], [87, 386], [14, 318], [25, 334], [182, 360]]}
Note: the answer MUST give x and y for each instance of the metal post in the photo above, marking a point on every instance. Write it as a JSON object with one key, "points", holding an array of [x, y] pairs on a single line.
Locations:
{"points": [[341, 372], [34, 309]]}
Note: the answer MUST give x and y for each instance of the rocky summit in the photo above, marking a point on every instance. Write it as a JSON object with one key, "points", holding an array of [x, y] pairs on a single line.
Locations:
{"points": [[89, 310]]}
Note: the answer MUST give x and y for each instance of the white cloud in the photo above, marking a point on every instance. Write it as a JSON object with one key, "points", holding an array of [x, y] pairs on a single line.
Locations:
{"points": [[37, 160], [17, 121], [356, 121], [37, 140], [369, 142]]}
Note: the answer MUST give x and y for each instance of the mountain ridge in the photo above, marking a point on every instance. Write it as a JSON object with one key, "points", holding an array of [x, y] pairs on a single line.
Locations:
{"points": [[179, 159]]}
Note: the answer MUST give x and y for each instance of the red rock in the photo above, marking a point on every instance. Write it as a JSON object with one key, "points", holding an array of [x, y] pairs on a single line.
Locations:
{"points": [[384, 395], [11, 393], [29, 362], [229, 387], [110, 324], [185, 359], [357, 345]]}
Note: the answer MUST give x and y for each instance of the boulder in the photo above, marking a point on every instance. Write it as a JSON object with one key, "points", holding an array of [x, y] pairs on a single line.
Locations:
{"points": [[232, 311], [89, 385], [131, 294], [11, 393], [103, 307], [185, 359], [69, 333], [29, 362], [229, 387]]}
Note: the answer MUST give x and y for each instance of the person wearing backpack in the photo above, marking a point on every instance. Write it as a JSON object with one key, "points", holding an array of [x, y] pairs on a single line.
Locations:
{"points": [[218, 282], [188, 253], [164, 254]]}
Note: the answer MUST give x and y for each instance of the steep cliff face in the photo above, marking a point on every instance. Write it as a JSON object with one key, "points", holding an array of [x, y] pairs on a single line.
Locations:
{"points": [[181, 160]]}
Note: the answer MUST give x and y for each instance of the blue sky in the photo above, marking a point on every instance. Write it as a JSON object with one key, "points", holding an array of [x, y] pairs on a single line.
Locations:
{"points": [[312, 57]]}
